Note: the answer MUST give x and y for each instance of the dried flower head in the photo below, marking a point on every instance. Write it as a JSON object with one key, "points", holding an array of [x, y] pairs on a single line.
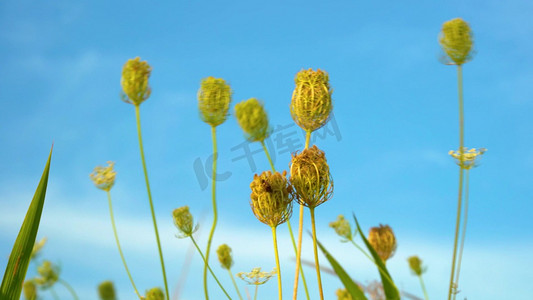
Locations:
{"points": [[155, 294], [106, 290], [49, 275], [415, 264], [342, 228], [456, 40], [184, 221], [214, 98], [29, 289], [383, 241], [311, 100], [467, 159], [253, 119], [104, 177], [343, 294], [224, 256], [310, 177], [134, 81], [271, 198], [375, 291], [256, 277], [37, 247]]}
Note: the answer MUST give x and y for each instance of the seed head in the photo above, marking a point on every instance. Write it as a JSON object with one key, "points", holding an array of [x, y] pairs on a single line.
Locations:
{"points": [[29, 289], [271, 198], [311, 178], [456, 40], [383, 241], [184, 221], [256, 277], [214, 98], [311, 100], [106, 290], [253, 119], [415, 264], [467, 159], [49, 274], [155, 294], [224, 256], [134, 81], [104, 177], [342, 228]]}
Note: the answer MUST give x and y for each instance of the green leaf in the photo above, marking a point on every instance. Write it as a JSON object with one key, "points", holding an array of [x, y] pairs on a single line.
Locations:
{"points": [[391, 291], [20, 255], [354, 290]]}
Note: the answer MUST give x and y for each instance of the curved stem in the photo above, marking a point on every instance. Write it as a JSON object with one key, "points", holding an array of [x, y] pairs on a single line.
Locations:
{"points": [[215, 215], [234, 284], [423, 287], [317, 264], [138, 115], [69, 288], [118, 244], [54, 294], [465, 219], [275, 240]]}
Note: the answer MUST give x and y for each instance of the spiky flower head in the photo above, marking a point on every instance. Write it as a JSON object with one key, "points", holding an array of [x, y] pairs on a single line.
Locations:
{"points": [[134, 81], [256, 277], [311, 100], [104, 177], [29, 289], [271, 198], [383, 241], [310, 177], [224, 256], [342, 228], [184, 221], [106, 290], [456, 40], [155, 294], [343, 294], [49, 274], [214, 98], [467, 158], [37, 247], [253, 119], [415, 264]]}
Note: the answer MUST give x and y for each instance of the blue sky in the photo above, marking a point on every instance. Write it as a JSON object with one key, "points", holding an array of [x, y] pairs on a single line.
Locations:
{"points": [[395, 112]]}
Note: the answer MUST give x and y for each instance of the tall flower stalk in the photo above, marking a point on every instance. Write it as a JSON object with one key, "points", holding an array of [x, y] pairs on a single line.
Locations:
{"points": [[214, 98], [136, 90], [226, 261], [415, 264]]}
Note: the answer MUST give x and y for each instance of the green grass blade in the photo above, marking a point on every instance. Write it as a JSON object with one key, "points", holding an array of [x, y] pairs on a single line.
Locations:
{"points": [[352, 288], [20, 255], [391, 291]]}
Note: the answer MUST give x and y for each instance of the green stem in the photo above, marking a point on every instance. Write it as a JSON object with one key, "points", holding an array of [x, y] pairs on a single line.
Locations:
{"points": [[234, 284], [372, 260], [54, 294], [423, 287], [69, 288], [289, 226], [208, 267], [275, 240], [215, 215], [255, 294], [118, 244], [317, 264], [465, 220], [138, 116]]}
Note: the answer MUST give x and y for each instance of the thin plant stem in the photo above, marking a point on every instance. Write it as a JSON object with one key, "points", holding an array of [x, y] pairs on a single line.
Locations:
{"points": [[317, 264], [69, 288], [255, 294], [465, 219], [138, 116], [423, 287], [460, 189], [289, 226], [275, 241], [215, 215], [118, 244], [300, 230], [234, 284], [208, 267], [54, 294], [372, 260]]}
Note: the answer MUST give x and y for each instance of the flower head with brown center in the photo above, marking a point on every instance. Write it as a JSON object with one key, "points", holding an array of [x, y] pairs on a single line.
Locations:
{"points": [[271, 198], [382, 239], [134, 81]]}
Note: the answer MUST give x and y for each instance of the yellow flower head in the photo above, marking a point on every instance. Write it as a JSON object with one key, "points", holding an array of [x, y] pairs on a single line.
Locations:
{"points": [[214, 98], [271, 198], [106, 290], [456, 39], [29, 289], [342, 228], [224, 256], [104, 177], [49, 274], [184, 221], [134, 81], [383, 241], [311, 178], [253, 119], [467, 158], [311, 100], [415, 264], [343, 294], [155, 294], [256, 277]]}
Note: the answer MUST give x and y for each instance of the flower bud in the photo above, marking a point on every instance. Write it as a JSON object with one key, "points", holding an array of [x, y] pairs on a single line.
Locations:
{"points": [[271, 198], [184, 221], [214, 98], [134, 81], [49, 274], [343, 294], [382, 239], [104, 177], [467, 158], [253, 119], [29, 289], [415, 264], [456, 39], [106, 290], [224, 256], [342, 228], [311, 100], [310, 177], [155, 294]]}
